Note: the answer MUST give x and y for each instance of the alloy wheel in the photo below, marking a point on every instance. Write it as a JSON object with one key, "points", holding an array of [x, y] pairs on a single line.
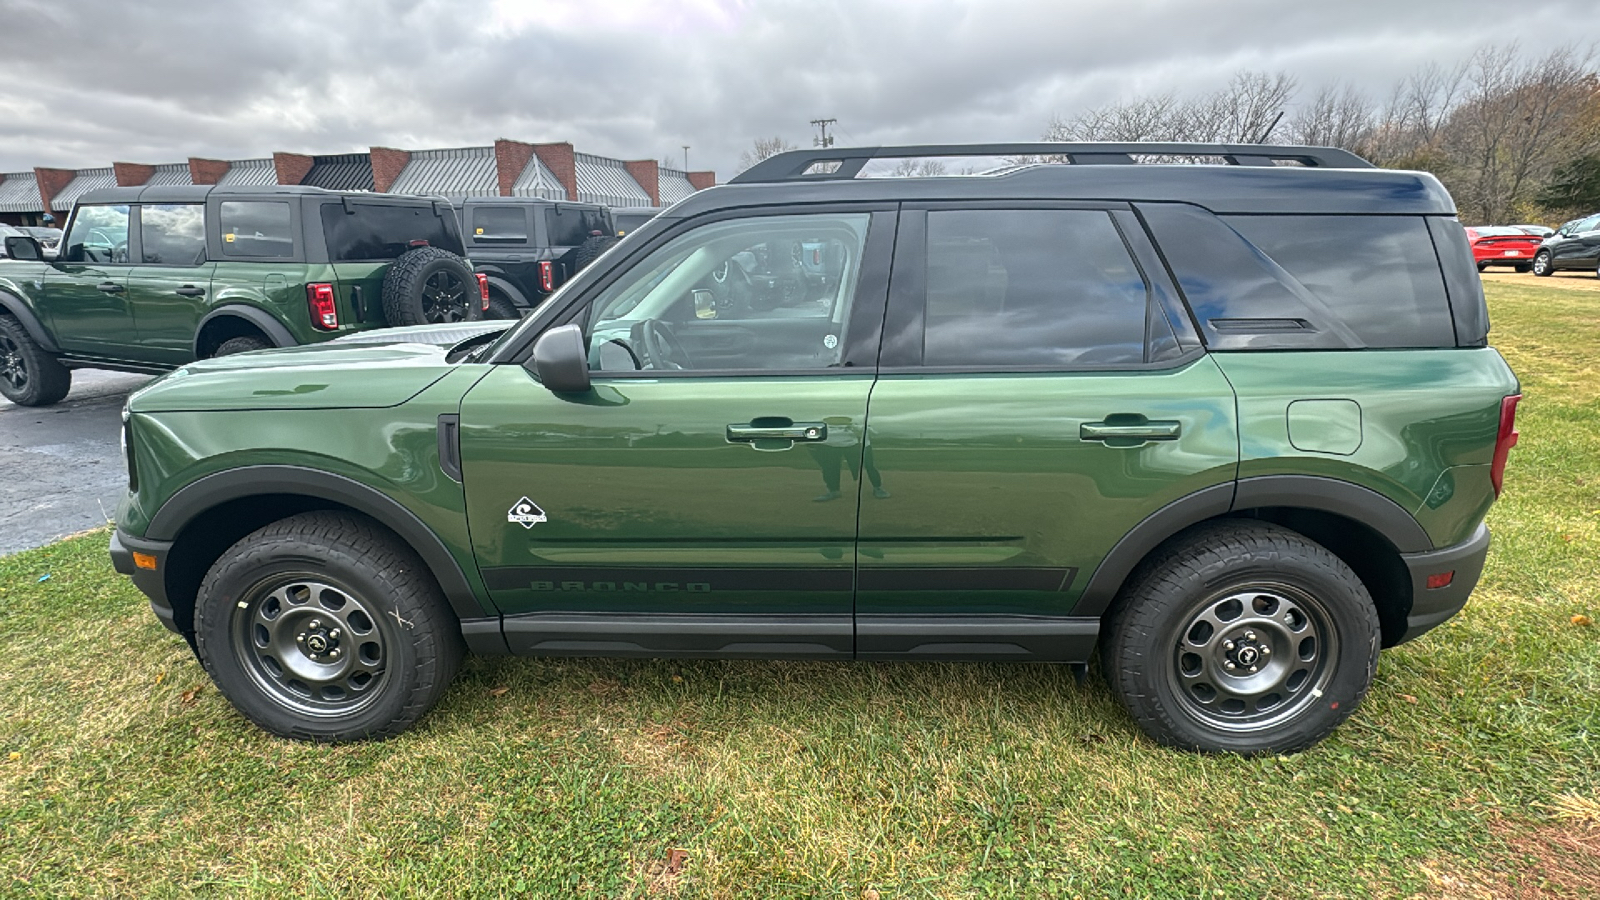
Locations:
{"points": [[13, 366], [444, 297]]}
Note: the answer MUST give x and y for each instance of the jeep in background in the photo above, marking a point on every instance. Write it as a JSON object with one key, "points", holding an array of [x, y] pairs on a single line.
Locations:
{"points": [[1233, 427], [151, 278], [527, 247]]}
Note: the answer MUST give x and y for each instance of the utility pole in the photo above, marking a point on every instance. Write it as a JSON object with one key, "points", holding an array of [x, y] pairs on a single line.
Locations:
{"points": [[686, 157], [822, 125]]}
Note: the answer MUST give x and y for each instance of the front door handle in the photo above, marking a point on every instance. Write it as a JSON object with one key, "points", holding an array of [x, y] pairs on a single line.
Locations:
{"points": [[190, 290], [778, 430], [109, 287], [1128, 431]]}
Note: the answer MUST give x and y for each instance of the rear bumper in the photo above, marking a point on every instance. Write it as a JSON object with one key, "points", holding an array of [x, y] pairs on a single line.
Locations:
{"points": [[150, 582], [1430, 607]]}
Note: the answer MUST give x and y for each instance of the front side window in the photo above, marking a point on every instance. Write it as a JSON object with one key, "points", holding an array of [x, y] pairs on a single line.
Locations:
{"points": [[499, 223], [1031, 287], [769, 293], [172, 234], [99, 235], [256, 228]]}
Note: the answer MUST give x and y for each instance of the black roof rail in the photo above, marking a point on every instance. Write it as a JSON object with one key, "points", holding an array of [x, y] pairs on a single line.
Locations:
{"points": [[840, 163]]}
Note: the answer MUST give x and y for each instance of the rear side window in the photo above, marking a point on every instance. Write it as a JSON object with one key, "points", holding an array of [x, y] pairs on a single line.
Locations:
{"points": [[499, 223], [570, 226], [172, 234], [1034, 287], [258, 228], [371, 232]]}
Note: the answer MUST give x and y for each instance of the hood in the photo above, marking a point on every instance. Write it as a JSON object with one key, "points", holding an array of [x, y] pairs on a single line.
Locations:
{"points": [[440, 335], [320, 376]]}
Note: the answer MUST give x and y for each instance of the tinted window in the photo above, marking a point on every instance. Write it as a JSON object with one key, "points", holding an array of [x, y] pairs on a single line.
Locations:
{"points": [[172, 234], [370, 231], [770, 292], [256, 228], [99, 235], [1378, 274], [1041, 287], [499, 223], [570, 226]]}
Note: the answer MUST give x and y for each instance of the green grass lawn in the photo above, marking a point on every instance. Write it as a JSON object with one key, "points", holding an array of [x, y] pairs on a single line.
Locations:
{"points": [[1471, 770]]}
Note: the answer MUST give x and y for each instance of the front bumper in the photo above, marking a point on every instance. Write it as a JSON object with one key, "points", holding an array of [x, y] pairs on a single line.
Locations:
{"points": [[1430, 607], [151, 582]]}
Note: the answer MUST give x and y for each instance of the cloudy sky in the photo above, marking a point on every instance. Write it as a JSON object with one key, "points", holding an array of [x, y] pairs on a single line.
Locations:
{"points": [[86, 82]]}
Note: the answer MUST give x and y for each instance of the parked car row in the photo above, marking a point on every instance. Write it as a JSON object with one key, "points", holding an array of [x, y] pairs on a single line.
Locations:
{"points": [[1575, 245]]}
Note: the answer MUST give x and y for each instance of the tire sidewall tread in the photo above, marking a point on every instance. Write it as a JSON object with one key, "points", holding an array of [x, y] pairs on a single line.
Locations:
{"points": [[402, 285], [48, 380]]}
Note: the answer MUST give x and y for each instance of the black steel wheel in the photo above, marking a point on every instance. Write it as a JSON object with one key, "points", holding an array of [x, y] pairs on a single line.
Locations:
{"points": [[1241, 636], [28, 375], [324, 626], [1542, 264]]}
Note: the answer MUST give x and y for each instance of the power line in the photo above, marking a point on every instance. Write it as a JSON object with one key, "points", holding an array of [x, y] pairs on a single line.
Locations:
{"points": [[823, 140]]}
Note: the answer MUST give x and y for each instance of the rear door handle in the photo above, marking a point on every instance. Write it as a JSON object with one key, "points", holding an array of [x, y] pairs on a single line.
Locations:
{"points": [[1125, 431], [110, 287], [778, 430], [190, 290]]}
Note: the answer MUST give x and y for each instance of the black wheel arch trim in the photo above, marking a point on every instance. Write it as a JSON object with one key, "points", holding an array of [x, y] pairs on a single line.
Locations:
{"points": [[503, 284], [30, 322], [233, 484], [1331, 495], [261, 319]]}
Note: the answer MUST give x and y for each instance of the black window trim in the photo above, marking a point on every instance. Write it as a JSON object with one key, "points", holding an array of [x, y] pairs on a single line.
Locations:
{"points": [[877, 254], [136, 224], [909, 281]]}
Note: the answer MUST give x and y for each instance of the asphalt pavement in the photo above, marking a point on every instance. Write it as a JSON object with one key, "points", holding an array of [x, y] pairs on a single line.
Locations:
{"points": [[61, 468]]}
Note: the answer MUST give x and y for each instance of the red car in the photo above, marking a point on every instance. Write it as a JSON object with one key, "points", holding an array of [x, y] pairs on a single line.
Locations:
{"points": [[1503, 247]]}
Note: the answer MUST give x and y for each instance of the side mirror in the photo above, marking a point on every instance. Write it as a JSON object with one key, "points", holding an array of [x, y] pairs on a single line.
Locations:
{"points": [[705, 304], [21, 246], [560, 361]]}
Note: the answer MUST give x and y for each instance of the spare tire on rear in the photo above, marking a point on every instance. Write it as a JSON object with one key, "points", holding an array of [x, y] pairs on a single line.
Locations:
{"points": [[590, 250], [430, 286]]}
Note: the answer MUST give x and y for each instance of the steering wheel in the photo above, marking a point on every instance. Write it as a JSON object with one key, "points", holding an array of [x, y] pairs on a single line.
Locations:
{"points": [[662, 348]]}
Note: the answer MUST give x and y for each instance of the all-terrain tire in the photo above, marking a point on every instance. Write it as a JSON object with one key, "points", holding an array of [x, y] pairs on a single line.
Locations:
{"points": [[240, 345], [1542, 265], [501, 307], [430, 286], [1184, 647], [590, 250], [28, 375], [323, 626]]}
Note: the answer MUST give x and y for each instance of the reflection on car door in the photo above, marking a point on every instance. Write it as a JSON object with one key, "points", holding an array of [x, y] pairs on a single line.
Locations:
{"points": [[86, 286], [169, 284]]}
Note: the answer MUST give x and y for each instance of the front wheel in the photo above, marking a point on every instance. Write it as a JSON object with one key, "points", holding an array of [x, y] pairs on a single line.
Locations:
{"points": [[28, 375], [1242, 637], [322, 626], [1542, 265]]}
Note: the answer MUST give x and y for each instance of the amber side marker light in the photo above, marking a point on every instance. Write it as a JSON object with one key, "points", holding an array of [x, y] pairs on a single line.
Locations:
{"points": [[144, 561]]}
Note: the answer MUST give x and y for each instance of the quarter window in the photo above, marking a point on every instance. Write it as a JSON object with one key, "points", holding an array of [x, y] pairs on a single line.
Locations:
{"points": [[499, 223], [1038, 287], [770, 293], [259, 228], [99, 235], [172, 234]]}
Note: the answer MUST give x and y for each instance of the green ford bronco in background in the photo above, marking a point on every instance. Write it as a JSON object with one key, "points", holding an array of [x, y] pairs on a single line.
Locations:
{"points": [[1233, 426], [150, 278]]}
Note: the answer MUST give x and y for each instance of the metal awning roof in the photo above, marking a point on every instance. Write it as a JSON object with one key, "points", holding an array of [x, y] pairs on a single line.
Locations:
{"points": [[602, 180], [537, 180], [19, 192], [342, 172], [464, 172], [673, 186], [170, 173], [249, 173], [86, 180]]}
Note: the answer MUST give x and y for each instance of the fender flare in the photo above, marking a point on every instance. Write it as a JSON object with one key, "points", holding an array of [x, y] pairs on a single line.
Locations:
{"points": [[504, 285], [261, 319], [233, 484], [30, 322], [1343, 498]]}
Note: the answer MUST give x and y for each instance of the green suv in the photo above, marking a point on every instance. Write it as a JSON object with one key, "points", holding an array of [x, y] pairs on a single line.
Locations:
{"points": [[1232, 426], [150, 278]]}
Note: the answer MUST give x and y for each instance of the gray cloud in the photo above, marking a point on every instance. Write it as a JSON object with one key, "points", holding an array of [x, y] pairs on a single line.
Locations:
{"points": [[91, 81]]}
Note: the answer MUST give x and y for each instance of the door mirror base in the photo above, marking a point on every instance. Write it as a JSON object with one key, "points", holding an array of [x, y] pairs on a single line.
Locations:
{"points": [[560, 361]]}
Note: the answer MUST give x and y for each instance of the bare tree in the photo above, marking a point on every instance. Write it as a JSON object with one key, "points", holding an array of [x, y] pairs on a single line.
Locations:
{"points": [[918, 168], [1337, 116], [764, 148], [1245, 111]]}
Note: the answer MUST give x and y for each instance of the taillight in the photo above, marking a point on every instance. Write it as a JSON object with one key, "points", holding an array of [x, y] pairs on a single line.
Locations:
{"points": [[547, 275], [1504, 441], [483, 291], [324, 311]]}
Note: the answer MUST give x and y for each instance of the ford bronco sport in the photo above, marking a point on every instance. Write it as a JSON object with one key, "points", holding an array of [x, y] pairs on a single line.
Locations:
{"points": [[150, 278], [1234, 426]]}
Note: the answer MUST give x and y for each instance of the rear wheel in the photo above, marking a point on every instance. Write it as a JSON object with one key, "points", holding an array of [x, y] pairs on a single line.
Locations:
{"points": [[1541, 263], [240, 345], [501, 307], [1242, 637], [1522, 267], [1482, 266], [323, 626], [28, 375]]}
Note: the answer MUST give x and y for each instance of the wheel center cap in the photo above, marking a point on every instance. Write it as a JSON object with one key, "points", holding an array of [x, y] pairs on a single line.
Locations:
{"points": [[316, 643], [1248, 655]]}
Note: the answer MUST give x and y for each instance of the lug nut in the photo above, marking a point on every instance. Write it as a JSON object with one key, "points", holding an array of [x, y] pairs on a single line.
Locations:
{"points": [[1249, 635], [334, 634], [1227, 645], [1266, 651], [1254, 668], [1229, 665], [316, 623]]}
